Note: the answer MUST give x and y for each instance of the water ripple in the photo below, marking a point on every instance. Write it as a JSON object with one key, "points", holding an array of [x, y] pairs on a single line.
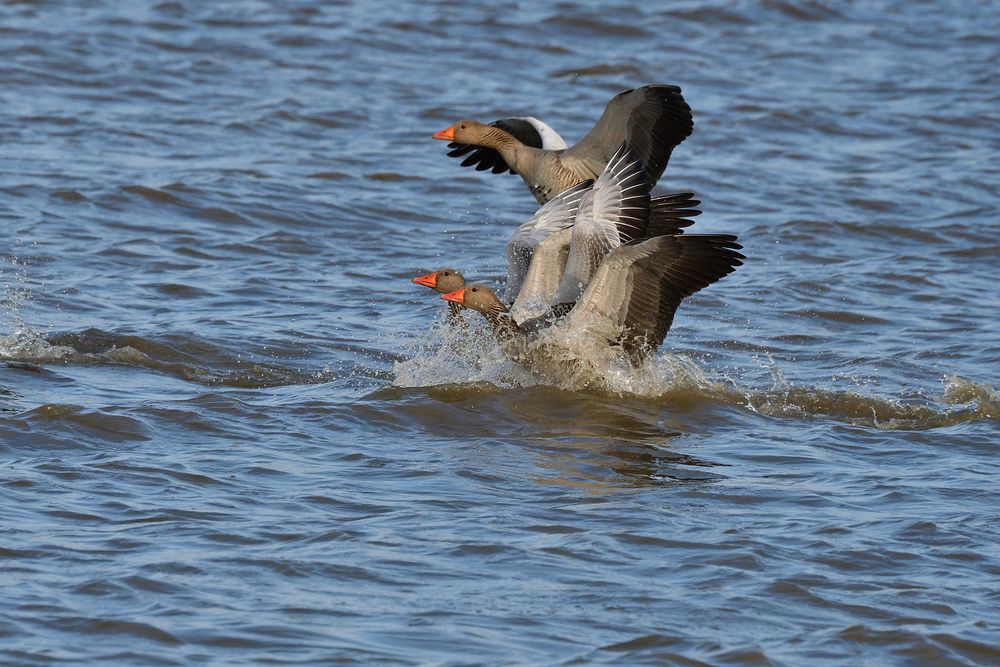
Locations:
{"points": [[233, 431]]}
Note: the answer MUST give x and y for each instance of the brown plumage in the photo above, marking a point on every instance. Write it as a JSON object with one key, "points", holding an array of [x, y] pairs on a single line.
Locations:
{"points": [[444, 281], [552, 256], [629, 304], [652, 119]]}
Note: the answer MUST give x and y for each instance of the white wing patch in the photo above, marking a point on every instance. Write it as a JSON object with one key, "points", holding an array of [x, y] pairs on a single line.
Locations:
{"points": [[614, 212], [551, 141], [557, 214]]}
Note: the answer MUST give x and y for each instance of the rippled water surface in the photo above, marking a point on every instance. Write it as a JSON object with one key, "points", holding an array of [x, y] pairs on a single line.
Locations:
{"points": [[232, 432]]}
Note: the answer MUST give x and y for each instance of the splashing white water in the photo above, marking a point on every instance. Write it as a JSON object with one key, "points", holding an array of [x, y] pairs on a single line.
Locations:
{"points": [[450, 355], [23, 342], [457, 354]]}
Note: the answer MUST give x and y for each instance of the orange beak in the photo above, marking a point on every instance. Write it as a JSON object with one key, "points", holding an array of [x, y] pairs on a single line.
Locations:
{"points": [[430, 280], [458, 296], [447, 134]]}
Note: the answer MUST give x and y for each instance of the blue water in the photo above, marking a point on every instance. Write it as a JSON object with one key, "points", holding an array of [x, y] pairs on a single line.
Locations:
{"points": [[233, 432]]}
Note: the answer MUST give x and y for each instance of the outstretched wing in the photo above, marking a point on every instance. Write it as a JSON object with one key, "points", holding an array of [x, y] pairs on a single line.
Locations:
{"points": [[538, 291], [614, 212], [558, 213], [651, 119], [528, 130], [670, 214], [633, 297]]}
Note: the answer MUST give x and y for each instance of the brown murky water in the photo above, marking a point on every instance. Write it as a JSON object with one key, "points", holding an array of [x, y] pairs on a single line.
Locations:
{"points": [[232, 432]]}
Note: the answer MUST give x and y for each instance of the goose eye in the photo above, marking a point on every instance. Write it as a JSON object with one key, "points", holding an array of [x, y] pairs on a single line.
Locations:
{"points": [[446, 273], [461, 127], [474, 289]]}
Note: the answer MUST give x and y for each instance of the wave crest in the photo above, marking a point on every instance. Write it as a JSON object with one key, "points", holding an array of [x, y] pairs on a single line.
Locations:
{"points": [[468, 355]]}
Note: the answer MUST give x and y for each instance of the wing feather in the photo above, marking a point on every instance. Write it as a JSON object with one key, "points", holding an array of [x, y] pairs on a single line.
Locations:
{"points": [[632, 298], [670, 214], [652, 119], [613, 213], [558, 213]]}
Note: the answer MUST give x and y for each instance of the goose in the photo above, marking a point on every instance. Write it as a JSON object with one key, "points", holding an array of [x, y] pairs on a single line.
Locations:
{"points": [[444, 280], [625, 310], [579, 227], [653, 119], [527, 129], [539, 250], [531, 285]]}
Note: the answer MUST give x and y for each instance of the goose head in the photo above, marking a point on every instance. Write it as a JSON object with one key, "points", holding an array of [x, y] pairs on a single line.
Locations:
{"points": [[443, 280], [464, 132], [477, 297]]}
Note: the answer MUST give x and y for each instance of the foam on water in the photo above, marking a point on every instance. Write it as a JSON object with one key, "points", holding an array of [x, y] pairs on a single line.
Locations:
{"points": [[449, 355]]}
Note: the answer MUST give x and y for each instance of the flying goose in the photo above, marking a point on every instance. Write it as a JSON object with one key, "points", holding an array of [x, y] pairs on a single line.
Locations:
{"points": [[652, 119]]}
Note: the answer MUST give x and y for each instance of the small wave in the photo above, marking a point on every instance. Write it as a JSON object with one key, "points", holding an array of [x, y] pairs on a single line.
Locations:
{"points": [[597, 70], [596, 24], [882, 412], [185, 358], [804, 11], [152, 194], [450, 355], [71, 196]]}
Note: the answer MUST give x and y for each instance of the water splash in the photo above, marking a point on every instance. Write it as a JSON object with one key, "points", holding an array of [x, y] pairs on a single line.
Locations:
{"points": [[15, 295], [458, 354], [450, 355]]}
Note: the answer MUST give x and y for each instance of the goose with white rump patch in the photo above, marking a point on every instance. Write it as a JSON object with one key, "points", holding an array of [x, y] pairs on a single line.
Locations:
{"points": [[652, 119]]}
